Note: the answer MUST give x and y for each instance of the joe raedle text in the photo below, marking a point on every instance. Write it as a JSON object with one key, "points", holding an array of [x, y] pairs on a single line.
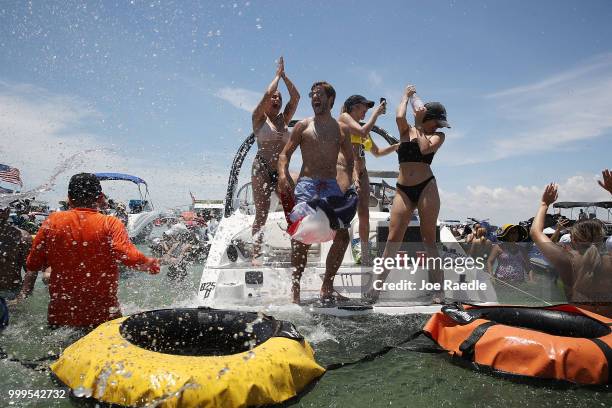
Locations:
{"points": [[425, 285]]}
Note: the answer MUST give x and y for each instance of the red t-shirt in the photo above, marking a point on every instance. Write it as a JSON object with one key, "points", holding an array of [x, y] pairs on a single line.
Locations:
{"points": [[83, 249]]}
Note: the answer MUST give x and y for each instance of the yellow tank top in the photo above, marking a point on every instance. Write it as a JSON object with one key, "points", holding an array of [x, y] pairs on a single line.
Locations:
{"points": [[367, 143]]}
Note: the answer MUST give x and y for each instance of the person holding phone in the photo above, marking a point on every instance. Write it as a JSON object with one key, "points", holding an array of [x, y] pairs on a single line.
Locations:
{"points": [[352, 113]]}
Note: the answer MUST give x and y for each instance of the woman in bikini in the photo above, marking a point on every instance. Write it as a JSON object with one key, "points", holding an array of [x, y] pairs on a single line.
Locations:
{"points": [[354, 111], [416, 185], [270, 126], [585, 269]]}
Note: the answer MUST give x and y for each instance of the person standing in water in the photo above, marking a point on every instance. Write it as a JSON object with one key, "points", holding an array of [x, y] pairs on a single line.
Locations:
{"points": [[416, 184], [270, 126], [584, 268], [14, 247], [512, 260], [83, 249], [354, 111], [320, 139]]}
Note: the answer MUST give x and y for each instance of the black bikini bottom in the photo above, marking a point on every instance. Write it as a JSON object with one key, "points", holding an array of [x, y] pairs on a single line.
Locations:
{"points": [[414, 192]]}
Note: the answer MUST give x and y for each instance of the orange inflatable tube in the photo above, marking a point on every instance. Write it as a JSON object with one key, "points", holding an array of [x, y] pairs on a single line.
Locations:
{"points": [[559, 342]]}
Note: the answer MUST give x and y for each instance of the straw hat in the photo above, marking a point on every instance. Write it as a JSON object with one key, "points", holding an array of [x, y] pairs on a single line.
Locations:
{"points": [[505, 230]]}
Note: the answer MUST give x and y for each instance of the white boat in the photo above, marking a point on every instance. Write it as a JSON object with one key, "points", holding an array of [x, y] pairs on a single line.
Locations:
{"points": [[230, 280], [590, 211], [141, 215]]}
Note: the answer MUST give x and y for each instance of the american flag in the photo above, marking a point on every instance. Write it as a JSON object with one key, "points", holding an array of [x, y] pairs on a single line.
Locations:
{"points": [[10, 175]]}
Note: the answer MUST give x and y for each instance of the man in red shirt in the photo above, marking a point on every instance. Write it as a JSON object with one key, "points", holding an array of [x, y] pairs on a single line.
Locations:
{"points": [[83, 249]]}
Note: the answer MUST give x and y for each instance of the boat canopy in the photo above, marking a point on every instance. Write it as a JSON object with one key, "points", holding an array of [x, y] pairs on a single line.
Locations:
{"points": [[120, 176], [575, 204]]}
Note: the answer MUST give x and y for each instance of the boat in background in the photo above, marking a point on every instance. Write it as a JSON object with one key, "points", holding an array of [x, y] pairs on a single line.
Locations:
{"points": [[590, 211], [229, 278], [141, 214]]}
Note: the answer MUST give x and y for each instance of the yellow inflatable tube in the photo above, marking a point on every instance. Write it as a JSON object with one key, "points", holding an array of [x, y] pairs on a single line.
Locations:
{"points": [[109, 368]]}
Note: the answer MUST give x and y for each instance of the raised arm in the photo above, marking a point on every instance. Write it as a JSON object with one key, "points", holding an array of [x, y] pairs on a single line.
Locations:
{"points": [[400, 114], [552, 252], [378, 152], [355, 128], [259, 115], [126, 253], [285, 156], [294, 98]]}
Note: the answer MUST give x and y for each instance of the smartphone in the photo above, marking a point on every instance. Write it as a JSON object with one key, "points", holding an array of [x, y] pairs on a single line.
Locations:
{"points": [[384, 101]]}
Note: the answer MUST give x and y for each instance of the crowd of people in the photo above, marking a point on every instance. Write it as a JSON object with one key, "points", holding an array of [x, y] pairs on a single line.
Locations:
{"points": [[585, 265], [580, 254], [79, 249], [333, 160], [333, 157]]}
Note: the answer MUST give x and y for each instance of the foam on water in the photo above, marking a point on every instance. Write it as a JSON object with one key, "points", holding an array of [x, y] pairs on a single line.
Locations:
{"points": [[318, 334]]}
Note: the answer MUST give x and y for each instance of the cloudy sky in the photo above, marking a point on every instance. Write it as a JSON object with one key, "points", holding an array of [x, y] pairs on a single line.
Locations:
{"points": [[163, 89]]}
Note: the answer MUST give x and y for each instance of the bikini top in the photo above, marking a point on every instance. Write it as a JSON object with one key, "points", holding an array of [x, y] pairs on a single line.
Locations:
{"points": [[364, 145], [267, 134], [410, 152]]}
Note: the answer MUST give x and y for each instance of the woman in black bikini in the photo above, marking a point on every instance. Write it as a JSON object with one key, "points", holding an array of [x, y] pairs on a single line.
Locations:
{"points": [[270, 128], [416, 184]]}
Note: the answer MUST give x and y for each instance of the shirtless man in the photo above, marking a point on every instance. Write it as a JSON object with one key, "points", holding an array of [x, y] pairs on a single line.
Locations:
{"points": [[320, 140], [14, 247]]}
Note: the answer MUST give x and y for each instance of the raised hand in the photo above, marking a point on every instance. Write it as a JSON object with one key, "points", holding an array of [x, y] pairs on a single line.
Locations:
{"points": [[410, 90], [607, 180], [381, 109], [280, 69], [562, 223], [550, 194]]}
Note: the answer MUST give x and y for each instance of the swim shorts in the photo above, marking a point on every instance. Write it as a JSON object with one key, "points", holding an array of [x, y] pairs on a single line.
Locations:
{"points": [[308, 189]]}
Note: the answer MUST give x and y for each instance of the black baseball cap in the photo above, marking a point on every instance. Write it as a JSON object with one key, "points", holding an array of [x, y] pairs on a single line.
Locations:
{"points": [[437, 111], [356, 99], [84, 189]]}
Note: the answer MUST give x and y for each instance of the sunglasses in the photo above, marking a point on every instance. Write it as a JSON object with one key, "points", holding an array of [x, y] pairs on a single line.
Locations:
{"points": [[312, 93]]}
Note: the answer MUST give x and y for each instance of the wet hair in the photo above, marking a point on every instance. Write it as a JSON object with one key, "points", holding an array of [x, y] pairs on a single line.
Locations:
{"points": [[84, 189], [587, 238], [329, 90]]}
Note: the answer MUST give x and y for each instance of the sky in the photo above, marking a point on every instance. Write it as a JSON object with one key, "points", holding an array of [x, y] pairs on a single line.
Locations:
{"points": [[164, 89]]}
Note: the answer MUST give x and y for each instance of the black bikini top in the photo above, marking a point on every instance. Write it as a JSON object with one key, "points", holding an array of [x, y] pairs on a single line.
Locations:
{"points": [[410, 152]]}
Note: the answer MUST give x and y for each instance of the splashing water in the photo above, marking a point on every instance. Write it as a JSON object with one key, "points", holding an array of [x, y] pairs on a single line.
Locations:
{"points": [[82, 392], [70, 162]]}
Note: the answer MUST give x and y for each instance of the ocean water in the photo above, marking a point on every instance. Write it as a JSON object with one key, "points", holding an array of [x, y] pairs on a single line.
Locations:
{"points": [[400, 378]]}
